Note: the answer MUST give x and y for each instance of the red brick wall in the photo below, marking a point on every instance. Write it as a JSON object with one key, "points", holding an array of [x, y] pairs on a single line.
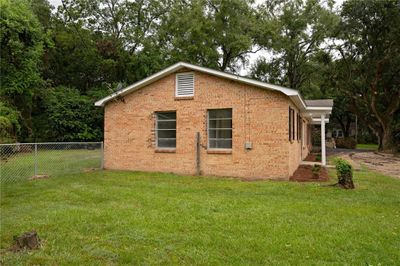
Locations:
{"points": [[259, 116]]}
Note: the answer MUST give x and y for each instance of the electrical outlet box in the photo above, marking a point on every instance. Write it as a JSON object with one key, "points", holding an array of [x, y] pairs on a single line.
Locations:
{"points": [[248, 145]]}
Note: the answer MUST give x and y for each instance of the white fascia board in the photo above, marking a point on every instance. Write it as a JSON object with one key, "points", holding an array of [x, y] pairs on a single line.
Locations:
{"points": [[293, 94], [316, 108], [139, 84]]}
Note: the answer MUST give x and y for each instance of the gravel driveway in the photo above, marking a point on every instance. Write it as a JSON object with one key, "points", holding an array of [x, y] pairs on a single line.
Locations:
{"points": [[387, 164]]}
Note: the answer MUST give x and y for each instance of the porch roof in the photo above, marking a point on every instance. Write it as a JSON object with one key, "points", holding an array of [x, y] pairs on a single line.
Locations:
{"points": [[316, 109], [320, 103]]}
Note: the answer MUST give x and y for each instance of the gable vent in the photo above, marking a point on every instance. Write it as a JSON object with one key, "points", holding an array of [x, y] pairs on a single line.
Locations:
{"points": [[184, 85]]}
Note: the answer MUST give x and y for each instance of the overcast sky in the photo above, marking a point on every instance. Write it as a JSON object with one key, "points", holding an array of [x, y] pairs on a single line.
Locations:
{"points": [[55, 3]]}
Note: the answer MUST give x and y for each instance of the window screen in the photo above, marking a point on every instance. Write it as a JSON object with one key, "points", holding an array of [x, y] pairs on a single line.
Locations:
{"points": [[166, 129], [220, 129]]}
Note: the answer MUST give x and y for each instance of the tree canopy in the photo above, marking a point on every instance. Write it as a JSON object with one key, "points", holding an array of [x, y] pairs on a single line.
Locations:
{"points": [[56, 62]]}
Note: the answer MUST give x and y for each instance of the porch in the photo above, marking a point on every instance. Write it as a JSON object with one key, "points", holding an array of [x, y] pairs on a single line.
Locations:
{"points": [[317, 114]]}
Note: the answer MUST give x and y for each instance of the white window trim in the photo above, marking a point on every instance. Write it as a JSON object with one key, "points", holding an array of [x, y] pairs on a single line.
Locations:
{"points": [[156, 127], [208, 131], [176, 84]]}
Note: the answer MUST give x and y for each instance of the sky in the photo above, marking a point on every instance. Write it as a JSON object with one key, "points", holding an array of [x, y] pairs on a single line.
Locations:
{"points": [[55, 3]]}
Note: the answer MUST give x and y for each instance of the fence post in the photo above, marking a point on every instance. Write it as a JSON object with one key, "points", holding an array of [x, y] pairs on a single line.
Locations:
{"points": [[36, 159], [102, 156], [198, 153]]}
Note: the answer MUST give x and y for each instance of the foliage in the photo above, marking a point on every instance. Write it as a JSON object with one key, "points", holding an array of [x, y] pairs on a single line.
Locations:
{"points": [[315, 170], [344, 172], [71, 116], [293, 34], [133, 24], [9, 123], [215, 33], [95, 47], [21, 39], [346, 143], [368, 71]]}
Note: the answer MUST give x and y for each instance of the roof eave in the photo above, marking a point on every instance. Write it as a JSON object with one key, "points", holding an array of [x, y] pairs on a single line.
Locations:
{"points": [[293, 94], [140, 84]]}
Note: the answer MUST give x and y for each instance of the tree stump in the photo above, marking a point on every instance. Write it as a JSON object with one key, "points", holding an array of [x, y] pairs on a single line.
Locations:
{"points": [[29, 240], [346, 181]]}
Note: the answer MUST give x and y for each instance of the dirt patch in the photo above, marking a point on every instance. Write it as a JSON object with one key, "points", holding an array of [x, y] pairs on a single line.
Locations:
{"points": [[384, 163], [36, 177], [87, 170], [305, 174], [27, 241]]}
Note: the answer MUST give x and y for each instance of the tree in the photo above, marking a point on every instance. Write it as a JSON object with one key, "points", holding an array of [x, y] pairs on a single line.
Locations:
{"points": [[369, 66], [213, 33], [130, 23], [71, 116], [9, 124], [21, 39], [294, 33], [42, 10]]}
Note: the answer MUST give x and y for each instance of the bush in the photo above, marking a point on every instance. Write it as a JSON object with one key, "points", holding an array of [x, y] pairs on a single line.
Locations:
{"points": [[315, 170], [346, 143], [344, 172]]}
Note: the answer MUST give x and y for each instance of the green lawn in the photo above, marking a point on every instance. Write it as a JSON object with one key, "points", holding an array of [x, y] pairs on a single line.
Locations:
{"points": [[110, 218], [367, 146], [21, 166]]}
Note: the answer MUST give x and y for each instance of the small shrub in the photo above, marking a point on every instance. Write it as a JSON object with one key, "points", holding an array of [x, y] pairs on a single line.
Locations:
{"points": [[315, 170], [346, 143], [344, 172], [318, 157]]}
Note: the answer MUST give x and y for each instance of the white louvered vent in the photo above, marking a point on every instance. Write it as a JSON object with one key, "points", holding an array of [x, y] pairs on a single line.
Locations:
{"points": [[184, 85]]}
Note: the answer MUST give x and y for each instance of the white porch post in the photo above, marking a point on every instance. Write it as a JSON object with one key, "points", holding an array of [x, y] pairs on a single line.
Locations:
{"points": [[323, 147]]}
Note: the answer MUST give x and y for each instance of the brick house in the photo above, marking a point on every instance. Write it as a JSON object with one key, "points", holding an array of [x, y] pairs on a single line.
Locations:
{"points": [[188, 119]]}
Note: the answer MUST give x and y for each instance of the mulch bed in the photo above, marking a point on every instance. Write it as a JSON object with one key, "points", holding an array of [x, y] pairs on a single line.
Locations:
{"points": [[312, 157], [304, 174]]}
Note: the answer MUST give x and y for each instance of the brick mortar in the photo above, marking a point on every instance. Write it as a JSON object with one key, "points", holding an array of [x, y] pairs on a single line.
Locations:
{"points": [[259, 116]]}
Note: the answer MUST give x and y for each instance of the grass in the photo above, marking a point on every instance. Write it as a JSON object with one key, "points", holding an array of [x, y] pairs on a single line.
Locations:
{"points": [[113, 217], [370, 146], [21, 166]]}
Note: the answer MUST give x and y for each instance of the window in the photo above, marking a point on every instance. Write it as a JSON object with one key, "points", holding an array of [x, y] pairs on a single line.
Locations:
{"points": [[184, 85], [220, 129], [298, 126], [337, 133], [291, 124], [166, 130]]}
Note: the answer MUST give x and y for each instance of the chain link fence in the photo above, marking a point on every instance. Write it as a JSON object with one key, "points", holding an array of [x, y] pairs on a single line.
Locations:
{"points": [[22, 161]]}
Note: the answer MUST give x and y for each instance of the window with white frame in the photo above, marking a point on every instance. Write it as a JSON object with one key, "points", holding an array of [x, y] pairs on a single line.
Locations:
{"points": [[337, 133], [184, 84], [220, 129], [166, 130]]}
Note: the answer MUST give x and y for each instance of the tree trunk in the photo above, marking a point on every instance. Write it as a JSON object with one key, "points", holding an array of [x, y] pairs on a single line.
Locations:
{"points": [[386, 139]]}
